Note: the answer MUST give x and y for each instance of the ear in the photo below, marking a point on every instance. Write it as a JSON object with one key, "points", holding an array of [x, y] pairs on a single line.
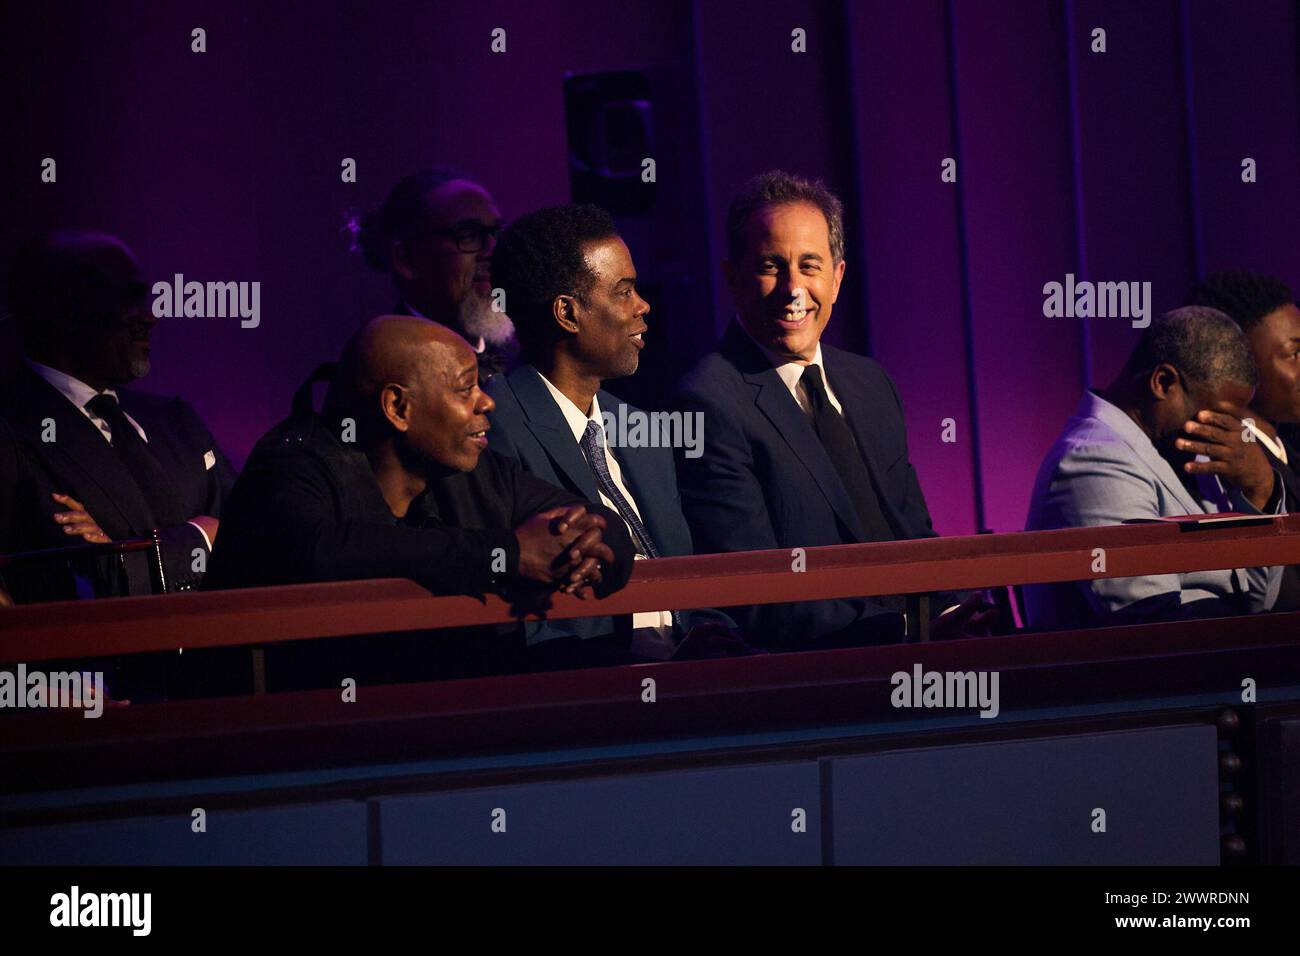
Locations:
{"points": [[564, 309], [400, 254], [838, 277], [395, 406], [1165, 382]]}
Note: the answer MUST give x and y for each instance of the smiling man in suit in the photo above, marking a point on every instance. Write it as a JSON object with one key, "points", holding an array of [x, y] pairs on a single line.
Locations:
{"points": [[570, 285], [804, 444], [121, 463]]}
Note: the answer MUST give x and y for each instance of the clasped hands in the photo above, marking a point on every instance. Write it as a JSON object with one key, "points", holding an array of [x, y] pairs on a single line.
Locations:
{"points": [[564, 547]]}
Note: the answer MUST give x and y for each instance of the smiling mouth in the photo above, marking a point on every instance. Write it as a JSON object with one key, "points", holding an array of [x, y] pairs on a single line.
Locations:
{"points": [[793, 319], [639, 338], [479, 438]]}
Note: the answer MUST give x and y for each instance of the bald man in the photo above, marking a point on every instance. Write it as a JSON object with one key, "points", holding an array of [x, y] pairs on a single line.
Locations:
{"points": [[393, 478]]}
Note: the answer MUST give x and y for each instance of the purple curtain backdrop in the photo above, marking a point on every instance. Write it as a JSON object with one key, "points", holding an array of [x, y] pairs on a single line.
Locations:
{"points": [[1122, 166]]}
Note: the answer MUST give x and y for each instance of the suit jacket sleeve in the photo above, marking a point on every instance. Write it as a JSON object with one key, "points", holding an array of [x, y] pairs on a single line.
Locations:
{"points": [[182, 544], [912, 507], [915, 512], [1266, 582], [1094, 485], [221, 476]]}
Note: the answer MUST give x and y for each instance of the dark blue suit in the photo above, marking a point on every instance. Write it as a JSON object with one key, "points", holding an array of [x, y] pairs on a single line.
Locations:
{"points": [[765, 481], [529, 426]]}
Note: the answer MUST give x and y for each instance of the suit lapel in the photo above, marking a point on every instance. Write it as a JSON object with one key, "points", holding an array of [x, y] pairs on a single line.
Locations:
{"points": [[547, 424], [644, 478], [858, 412], [1167, 477], [81, 454], [779, 407], [1094, 406]]}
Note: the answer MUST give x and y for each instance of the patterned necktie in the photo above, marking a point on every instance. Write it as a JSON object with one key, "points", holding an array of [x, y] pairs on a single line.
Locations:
{"points": [[593, 445], [140, 462]]}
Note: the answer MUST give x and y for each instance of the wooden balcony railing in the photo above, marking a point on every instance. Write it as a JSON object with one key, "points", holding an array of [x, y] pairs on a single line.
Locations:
{"points": [[266, 615]]}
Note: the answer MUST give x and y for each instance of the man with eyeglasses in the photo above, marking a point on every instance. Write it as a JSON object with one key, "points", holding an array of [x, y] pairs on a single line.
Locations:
{"points": [[434, 234]]}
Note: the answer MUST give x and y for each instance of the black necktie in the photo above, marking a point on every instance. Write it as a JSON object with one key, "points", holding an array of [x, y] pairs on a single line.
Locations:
{"points": [[131, 449], [837, 439]]}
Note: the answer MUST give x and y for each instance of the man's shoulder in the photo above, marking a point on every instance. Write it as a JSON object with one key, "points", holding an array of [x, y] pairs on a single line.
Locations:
{"points": [[1087, 436], [715, 376], [502, 389], [864, 367], [1090, 449], [171, 410], [298, 438]]}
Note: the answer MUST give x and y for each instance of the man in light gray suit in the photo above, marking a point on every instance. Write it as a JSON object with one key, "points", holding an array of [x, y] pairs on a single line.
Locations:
{"points": [[1165, 439]]}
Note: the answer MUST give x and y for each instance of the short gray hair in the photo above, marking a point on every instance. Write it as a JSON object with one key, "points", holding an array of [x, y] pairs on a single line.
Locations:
{"points": [[777, 188], [1202, 343]]}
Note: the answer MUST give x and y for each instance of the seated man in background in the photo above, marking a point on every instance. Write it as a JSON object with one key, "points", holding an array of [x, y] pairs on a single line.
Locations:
{"points": [[570, 283], [120, 463], [394, 479], [434, 234], [1266, 311], [1164, 439]]}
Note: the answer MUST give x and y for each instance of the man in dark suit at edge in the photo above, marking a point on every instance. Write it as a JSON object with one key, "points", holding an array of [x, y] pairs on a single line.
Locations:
{"points": [[121, 463]]}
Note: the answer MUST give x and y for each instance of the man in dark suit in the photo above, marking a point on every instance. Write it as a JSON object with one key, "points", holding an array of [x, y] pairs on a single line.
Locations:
{"points": [[27, 524], [434, 234], [120, 463], [393, 479], [1266, 310], [804, 444], [571, 286]]}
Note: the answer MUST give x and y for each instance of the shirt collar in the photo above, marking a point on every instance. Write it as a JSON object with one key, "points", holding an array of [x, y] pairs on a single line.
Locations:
{"points": [[575, 417], [790, 372], [73, 389], [1277, 449]]}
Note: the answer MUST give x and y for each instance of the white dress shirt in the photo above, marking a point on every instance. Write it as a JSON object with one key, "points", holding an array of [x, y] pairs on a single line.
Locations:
{"points": [[791, 373], [578, 425], [79, 393], [1276, 447]]}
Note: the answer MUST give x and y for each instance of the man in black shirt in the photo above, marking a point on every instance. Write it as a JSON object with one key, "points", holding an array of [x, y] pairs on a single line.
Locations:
{"points": [[393, 479]]}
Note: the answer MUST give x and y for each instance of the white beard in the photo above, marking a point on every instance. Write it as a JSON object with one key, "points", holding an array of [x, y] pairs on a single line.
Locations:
{"points": [[477, 317]]}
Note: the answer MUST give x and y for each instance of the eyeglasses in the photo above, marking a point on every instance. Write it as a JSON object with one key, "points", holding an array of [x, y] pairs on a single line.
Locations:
{"points": [[470, 235]]}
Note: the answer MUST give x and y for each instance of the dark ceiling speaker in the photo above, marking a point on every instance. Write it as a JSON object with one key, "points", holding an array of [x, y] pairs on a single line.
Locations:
{"points": [[609, 118]]}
